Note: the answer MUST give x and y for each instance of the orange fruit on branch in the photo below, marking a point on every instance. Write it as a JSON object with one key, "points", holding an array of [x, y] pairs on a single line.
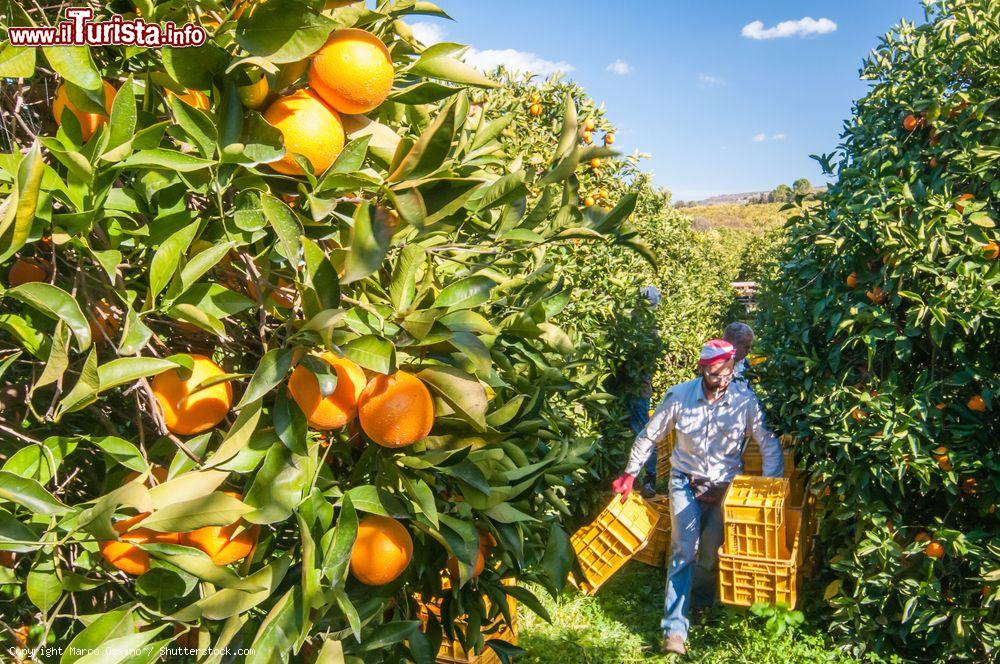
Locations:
{"points": [[976, 403], [589, 124], [224, 544], [396, 410], [334, 410], [186, 412], [486, 542], [588, 137], [352, 72], [911, 122], [27, 270], [310, 127], [959, 204], [589, 201], [128, 557], [852, 280], [193, 98], [89, 122], [991, 250], [382, 550], [535, 110], [934, 549], [104, 321], [877, 295]]}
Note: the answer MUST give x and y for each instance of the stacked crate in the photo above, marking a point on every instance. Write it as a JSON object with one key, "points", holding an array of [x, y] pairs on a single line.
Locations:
{"points": [[657, 549], [612, 539], [664, 448], [452, 651], [760, 558]]}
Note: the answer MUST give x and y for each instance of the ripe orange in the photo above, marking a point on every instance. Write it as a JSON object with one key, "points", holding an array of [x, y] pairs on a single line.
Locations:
{"points": [[933, 162], [185, 413], [536, 98], [337, 409], [535, 110], [128, 557], [922, 537], [352, 72], [6, 558], [27, 270], [934, 549], [959, 207], [595, 162], [193, 98], [89, 122], [21, 638], [104, 320], [976, 403], [589, 125], [852, 280], [969, 485], [991, 250], [911, 122], [310, 128], [396, 410], [382, 550], [589, 201], [877, 295], [485, 540], [222, 543], [609, 139], [858, 414], [588, 137]]}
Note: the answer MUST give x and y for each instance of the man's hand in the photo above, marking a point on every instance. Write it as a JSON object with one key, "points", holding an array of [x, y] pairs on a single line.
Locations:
{"points": [[623, 485]]}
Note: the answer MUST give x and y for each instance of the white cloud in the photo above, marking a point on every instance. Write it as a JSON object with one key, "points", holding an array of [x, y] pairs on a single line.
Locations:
{"points": [[778, 137], [707, 80], [428, 33], [802, 28], [619, 67], [759, 138], [519, 61]]}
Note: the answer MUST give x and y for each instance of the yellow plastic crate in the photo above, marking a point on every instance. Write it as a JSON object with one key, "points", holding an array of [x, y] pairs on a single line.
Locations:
{"points": [[657, 549], [753, 462], [611, 540], [452, 652], [746, 580], [664, 449], [753, 517]]}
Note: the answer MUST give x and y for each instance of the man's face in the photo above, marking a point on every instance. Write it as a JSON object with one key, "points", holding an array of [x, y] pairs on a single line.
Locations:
{"points": [[718, 376], [742, 346]]}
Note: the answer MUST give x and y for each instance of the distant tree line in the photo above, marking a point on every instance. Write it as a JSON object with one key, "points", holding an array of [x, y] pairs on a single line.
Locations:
{"points": [[785, 194]]}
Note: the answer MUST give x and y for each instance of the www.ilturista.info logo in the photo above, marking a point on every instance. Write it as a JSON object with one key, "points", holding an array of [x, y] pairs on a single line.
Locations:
{"points": [[79, 30]]}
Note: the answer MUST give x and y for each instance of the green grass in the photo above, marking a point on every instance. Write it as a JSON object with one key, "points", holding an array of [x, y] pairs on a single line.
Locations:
{"points": [[621, 625]]}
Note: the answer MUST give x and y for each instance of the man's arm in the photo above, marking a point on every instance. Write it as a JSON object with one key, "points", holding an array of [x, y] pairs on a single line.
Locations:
{"points": [[770, 446], [659, 425]]}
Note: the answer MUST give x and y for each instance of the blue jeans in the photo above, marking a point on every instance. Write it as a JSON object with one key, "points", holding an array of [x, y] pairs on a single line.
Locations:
{"points": [[695, 538], [638, 417]]}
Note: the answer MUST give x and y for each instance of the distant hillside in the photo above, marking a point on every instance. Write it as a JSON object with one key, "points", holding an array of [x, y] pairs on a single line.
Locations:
{"points": [[758, 217], [726, 199]]}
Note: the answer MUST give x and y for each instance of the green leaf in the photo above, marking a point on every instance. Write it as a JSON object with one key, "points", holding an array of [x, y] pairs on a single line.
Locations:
{"points": [[30, 494], [24, 200], [193, 67], [404, 277], [284, 31], [289, 423], [431, 150], [126, 370], [40, 462], [123, 452], [272, 369], [372, 352], [277, 487], [55, 303], [465, 294], [170, 160], [460, 391], [43, 586], [121, 649], [74, 64], [434, 63], [215, 509], [197, 125], [239, 435], [121, 127], [202, 263], [167, 257], [337, 556], [370, 242], [505, 189], [12, 530], [106, 627], [388, 634], [285, 224], [17, 61]]}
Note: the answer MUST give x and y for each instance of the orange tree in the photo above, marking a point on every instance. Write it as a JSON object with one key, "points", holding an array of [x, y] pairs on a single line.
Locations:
{"points": [[882, 340], [277, 347], [619, 336]]}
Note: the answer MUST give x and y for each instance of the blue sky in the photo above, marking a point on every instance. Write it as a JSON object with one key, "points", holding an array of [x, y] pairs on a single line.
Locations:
{"points": [[721, 103]]}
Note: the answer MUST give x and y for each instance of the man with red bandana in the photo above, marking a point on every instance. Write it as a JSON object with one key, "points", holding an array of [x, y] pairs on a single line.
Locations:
{"points": [[713, 417]]}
